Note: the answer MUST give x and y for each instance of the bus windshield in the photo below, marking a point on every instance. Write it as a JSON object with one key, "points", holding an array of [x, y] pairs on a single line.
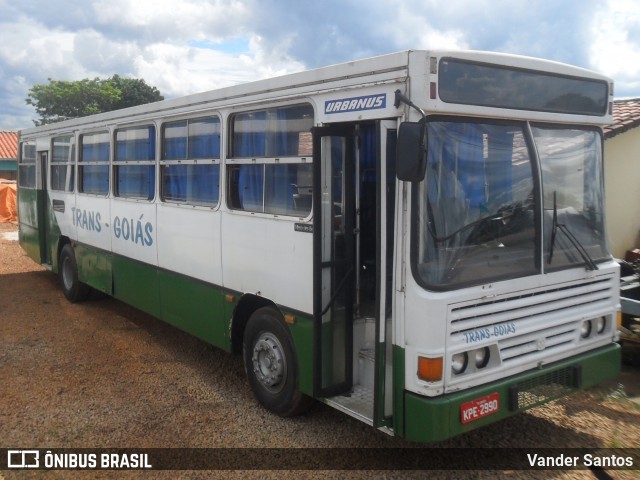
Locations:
{"points": [[477, 212], [571, 165]]}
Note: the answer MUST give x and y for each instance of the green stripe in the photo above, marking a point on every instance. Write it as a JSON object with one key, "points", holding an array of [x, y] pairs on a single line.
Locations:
{"points": [[186, 303], [94, 268], [398, 390], [29, 220], [302, 333], [195, 307], [136, 283], [192, 305]]}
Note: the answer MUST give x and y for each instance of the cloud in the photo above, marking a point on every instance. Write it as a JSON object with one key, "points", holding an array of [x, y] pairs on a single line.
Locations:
{"points": [[187, 46], [616, 45]]}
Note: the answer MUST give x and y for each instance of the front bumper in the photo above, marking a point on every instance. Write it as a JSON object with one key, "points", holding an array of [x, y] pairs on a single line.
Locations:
{"points": [[435, 419]]}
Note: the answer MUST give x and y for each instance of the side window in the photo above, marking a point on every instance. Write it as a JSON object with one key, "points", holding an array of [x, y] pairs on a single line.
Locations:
{"points": [[134, 163], [27, 167], [278, 189], [259, 180], [93, 164], [62, 163], [276, 132], [190, 165]]}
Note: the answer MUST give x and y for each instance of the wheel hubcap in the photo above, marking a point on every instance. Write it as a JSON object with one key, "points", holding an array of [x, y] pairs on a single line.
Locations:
{"points": [[67, 274], [269, 362]]}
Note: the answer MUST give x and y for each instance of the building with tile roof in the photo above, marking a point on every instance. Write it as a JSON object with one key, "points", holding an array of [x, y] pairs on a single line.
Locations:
{"points": [[622, 176], [626, 116], [8, 155]]}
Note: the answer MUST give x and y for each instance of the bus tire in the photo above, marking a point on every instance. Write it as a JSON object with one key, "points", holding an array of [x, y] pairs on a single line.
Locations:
{"points": [[73, 289], [270, 363]]}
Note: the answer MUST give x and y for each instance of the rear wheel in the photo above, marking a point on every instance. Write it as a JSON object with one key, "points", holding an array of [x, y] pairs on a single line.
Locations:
{"points": [[73, 289], [271, 365]]}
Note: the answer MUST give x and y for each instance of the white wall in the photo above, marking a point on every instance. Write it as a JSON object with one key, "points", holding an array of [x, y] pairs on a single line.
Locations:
{"points": [[622, 191]]}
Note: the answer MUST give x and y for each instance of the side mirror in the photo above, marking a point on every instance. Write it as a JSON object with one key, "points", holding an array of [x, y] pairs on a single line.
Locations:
{"points": [[411, 151]]}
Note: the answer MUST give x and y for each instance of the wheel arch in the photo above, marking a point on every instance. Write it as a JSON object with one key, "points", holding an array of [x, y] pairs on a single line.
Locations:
{"points": [[246, 306]]}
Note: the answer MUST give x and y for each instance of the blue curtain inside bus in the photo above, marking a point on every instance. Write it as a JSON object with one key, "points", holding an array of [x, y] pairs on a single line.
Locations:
{"points": [[174, 141], [197, 184], [204, 138], [94, 178], [250, 185], [281, 188], [287, 189], [470, 166], [479, 187], [271, 133], [135, 145], [249, 134]]}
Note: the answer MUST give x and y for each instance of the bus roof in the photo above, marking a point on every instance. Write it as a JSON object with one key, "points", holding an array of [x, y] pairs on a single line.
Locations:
{"points": [[374, 70]]}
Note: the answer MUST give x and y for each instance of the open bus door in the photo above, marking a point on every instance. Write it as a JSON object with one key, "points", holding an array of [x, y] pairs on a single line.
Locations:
{"points": [[354, 203], [43, 210], [334, 254]]}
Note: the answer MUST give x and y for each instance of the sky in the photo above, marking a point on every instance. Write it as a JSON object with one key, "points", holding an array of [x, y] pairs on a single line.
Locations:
{"points": [[189, 46]]}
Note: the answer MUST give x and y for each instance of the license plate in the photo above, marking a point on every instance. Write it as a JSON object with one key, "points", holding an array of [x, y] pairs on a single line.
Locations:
{"points": [[479, 408]]}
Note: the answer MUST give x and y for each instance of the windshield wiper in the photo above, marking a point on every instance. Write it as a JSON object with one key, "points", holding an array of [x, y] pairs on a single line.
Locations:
{"points": [[589, 263], [502, 215]]}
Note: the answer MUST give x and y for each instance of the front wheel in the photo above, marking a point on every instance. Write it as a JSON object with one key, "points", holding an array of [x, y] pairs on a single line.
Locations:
{"points": [[73, 289], [270, 363]]}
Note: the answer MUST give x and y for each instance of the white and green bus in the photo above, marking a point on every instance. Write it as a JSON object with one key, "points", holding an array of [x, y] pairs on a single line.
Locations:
{"points": [[415, 239]]}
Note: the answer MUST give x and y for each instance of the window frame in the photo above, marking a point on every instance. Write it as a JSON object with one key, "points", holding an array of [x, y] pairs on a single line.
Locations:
{"points": [[270, 132], [267, 208], [83, 163], [189, 161], [236, 161], [537, 188], [69, 163], [133, 164], [27, 164], [526, 81], [544, 167]]}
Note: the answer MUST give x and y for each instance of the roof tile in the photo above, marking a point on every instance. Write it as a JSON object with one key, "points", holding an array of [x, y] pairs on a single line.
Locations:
{"points": [[626, 115], [9, 145]]}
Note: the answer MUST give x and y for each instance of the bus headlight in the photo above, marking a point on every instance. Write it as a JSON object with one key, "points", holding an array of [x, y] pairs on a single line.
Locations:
{"points": [[459, 362], [601, 324], [481, 357], [585, 330]]}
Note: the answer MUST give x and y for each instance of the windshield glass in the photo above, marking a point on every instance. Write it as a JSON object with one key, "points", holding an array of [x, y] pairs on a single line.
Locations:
{"points": [[475, 218], [478, 211], [571, 163]]}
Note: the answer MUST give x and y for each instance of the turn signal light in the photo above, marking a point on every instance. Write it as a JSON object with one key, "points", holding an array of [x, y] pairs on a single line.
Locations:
{"points": [[430, 369], [433, 90]]}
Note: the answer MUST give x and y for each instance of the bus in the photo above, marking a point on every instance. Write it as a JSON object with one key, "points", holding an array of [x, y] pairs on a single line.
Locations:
{"points": [[415, 239]]}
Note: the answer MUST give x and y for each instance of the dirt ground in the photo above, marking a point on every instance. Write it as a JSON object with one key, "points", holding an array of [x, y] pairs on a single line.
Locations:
{"points": [[103, 375]]}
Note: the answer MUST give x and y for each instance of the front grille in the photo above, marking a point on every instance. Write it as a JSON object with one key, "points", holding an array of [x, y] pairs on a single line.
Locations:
{"points": [[543, 388], [527, 324]]}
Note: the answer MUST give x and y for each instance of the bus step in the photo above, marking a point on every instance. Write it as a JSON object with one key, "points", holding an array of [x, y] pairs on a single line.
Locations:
{"points": [[366, 367]]}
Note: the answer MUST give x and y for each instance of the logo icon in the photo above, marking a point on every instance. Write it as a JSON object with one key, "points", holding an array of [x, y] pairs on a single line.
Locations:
{"points": [[23, 459]]}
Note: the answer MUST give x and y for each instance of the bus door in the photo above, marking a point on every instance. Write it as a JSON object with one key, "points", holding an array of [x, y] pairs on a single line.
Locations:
{"points": [[43, 209], [387, 135], [334, 258], [354, 203]]}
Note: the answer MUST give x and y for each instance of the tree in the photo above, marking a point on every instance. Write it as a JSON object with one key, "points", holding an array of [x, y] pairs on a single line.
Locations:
{"points": [[61, 100], [134, 91]]}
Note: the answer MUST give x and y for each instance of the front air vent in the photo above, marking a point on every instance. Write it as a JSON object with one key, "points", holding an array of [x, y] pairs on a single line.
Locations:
{"points": [[542, 320]]}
